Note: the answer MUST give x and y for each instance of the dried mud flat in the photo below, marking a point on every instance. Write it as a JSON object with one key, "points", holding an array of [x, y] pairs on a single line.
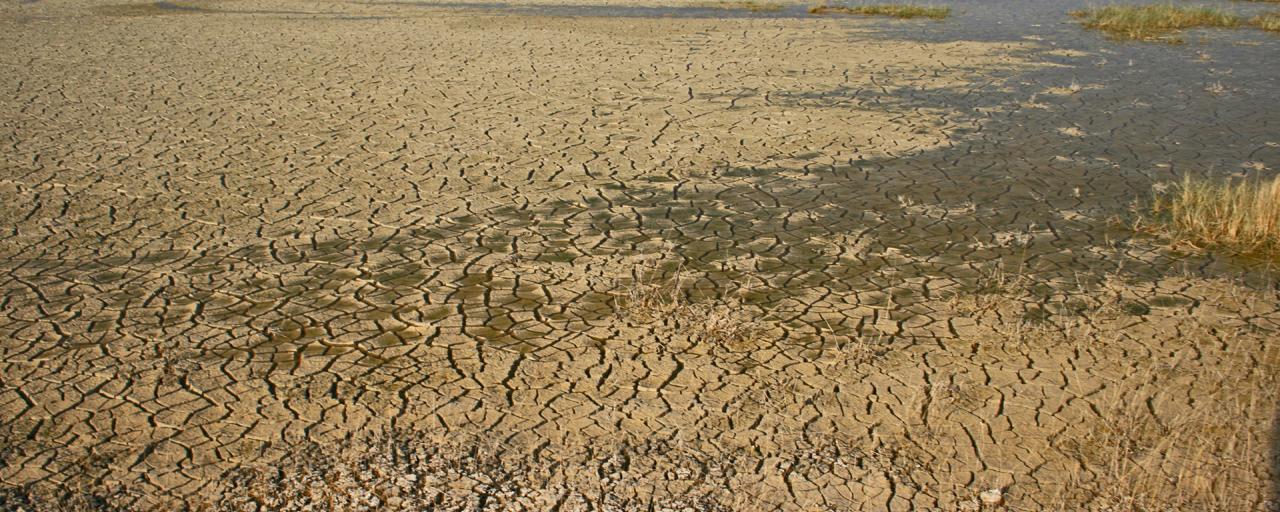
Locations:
{"points": [[385, 256]]}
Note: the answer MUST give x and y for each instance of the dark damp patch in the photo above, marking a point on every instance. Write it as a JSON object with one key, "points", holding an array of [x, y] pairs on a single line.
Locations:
{"points": [[1070, 307], [1136, 308], [749, 172], [107, 277], [147, 9], [1169, 301], [1275, 458], [165, 7], [1036, 315], [170, 6]]}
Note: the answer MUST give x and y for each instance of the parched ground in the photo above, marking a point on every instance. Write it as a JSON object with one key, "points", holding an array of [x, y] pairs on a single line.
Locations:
{"points": [[353, 256]]}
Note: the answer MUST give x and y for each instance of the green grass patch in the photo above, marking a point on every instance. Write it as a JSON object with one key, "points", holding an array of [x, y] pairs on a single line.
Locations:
{"points": [[904, 11], [1153, 22]]}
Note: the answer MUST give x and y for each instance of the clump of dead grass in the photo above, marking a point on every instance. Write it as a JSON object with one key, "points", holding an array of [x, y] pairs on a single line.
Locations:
{"points": [[1242, 214], [723, 321], [904, 11], [1269, 21], [749, 5], [1152, 22], [995, 286]]}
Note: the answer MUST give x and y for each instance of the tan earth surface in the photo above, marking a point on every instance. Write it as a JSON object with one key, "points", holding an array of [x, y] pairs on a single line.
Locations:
{"points": [[364, 256]]}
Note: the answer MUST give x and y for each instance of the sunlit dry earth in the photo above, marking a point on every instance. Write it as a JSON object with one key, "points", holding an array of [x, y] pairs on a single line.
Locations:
{"points": [[382, 256]]}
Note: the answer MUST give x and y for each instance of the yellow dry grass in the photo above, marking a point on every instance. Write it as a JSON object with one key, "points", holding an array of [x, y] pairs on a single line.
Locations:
{"points": [[749, 5], [724, 321], [905, 11], [1269, 21], [1243, 215], [1149, 22]]}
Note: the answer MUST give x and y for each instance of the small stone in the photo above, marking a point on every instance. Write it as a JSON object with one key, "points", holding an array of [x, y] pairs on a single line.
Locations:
{"points": [[992, 497]]}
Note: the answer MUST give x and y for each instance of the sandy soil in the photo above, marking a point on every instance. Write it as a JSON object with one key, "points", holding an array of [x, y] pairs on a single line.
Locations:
{"points": [[280, 254]]}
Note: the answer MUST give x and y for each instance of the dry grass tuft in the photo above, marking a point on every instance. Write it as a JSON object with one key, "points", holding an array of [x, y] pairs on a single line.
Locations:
{"points": [[996, 286], [1269, 21], [1152, 22], [905, 11], [750, 5], [725, 321], [1243, 215]]}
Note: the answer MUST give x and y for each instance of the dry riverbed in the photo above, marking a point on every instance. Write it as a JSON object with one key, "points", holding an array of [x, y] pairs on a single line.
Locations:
{"points": [[355, 256]]}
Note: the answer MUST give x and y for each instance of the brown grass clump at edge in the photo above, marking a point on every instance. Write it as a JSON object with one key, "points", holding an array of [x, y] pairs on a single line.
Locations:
{"points": [[749, 5], [1148, 22], [1243, 215], [905, 11], [1269, 21]]}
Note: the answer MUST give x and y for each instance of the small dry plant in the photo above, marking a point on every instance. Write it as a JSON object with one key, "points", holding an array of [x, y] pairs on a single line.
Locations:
{"points": [[1243, 215], [749, 5], [904, 11], [995, 287], [1269, 21], [1152, 22], [724, 321]]}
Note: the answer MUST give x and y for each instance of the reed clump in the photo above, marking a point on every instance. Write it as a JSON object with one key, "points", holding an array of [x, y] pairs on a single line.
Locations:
{"points": [[904, 11], [1153, 22], [1240, 214]]}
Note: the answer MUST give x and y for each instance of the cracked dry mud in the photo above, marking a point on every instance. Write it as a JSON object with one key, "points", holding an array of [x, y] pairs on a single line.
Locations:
{"points": [[271, 255]]}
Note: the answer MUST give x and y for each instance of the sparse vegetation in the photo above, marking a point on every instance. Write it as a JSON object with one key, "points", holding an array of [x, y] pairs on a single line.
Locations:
{"points": [[1153, 22], [1142, 457], [1144, 450], [724, 321], [750, 5], [905, 11], [994, 287], [1269, 21], [1243, 214]]}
